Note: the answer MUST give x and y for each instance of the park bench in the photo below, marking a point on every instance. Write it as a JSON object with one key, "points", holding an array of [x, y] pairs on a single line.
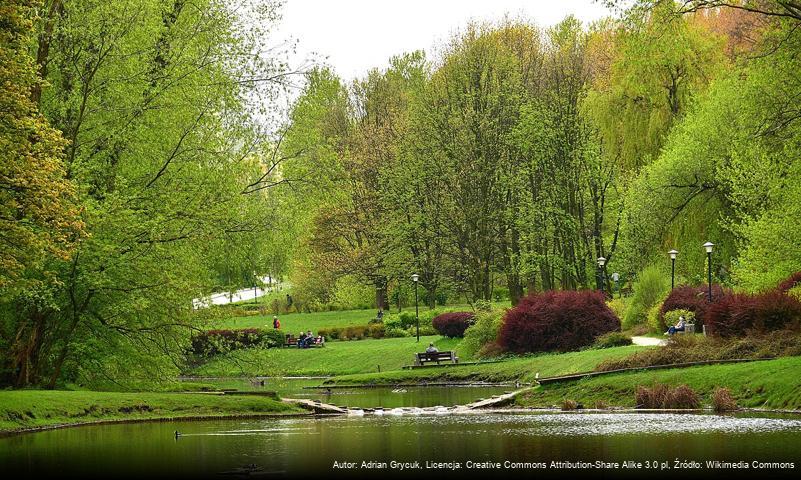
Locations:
{"points": [[688, 328], [425, 357], [291, 341]]}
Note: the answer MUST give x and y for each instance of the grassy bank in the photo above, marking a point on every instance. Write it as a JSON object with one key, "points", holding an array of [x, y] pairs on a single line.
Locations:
{"points": [[518, 368], [774, 384], [21, 409], [337, 358]]}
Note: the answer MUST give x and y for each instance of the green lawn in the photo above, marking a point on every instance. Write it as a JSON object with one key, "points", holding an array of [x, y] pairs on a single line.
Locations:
{"points": [[36, 408], [516, 368], [768, 384], [295, 322], [336, 358]]}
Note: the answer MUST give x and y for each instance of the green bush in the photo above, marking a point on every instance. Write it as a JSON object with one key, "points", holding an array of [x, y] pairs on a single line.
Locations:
{"points": [[618, 305], [612, 339], [655, 324], [672, 318], [650, 290], [396, 333], [482, 333]]}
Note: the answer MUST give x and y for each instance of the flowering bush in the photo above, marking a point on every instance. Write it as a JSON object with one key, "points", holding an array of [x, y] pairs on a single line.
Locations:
{"points": [[557, 321], [453, 324]]}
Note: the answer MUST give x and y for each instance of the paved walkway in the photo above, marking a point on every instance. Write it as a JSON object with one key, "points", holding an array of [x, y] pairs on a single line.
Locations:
{"points": [[649, 341]]}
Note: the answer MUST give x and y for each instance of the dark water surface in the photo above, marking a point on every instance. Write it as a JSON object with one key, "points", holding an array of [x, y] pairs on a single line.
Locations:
{"points": [[300, 446]]}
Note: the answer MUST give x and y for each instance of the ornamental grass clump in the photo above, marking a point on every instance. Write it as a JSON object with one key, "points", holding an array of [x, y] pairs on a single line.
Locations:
{"points": [[556, 321], [661, 396], [723, 401]]}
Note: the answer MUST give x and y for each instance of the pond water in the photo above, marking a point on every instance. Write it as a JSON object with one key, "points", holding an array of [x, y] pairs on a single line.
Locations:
{"points": [[311, 445], [386, 397]]}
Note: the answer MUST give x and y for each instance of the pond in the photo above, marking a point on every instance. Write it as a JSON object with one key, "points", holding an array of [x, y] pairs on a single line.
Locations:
{"points": [[311, 445], [364, 397]]}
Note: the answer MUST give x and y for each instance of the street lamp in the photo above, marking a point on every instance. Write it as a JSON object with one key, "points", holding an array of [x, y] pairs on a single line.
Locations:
{"points": [[673, 254], [708, 246], [415, 278], [601, 263], [254, 286]]}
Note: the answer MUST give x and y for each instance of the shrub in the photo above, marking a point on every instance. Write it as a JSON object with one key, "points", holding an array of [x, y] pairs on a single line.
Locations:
{"points": [[693, 299], [698, 348], [453, 324], [648, 291], [396, 333], [354, 332], [789, 283], [672, 317], [612, 339], [722, 400], [556, 321], [482, 332], [568, 404], [425, 329], [655, 324], [664, 397], [739, 313], [214, 342], [618, 305]]}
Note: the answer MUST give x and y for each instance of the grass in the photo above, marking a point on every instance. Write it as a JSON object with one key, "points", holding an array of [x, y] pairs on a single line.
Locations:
{"points": [[295, 322], [512, 369], [773, 384], [337, 358], [21, 409]]}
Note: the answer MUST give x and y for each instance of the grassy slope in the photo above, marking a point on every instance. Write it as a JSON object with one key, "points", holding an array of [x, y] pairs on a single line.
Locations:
{"points": [[519, 368], [337, 358], [36, 408], [768, 384]]}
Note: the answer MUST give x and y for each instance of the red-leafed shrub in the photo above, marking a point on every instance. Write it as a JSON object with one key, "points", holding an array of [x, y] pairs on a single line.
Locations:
{"points": [[557, 321], [786, 285], [740, 313], [694, 299], [453, 324]]}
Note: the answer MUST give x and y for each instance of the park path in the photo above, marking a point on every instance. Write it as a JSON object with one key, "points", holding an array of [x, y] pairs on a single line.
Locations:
{"points": [[244, 294], [649, 341]]}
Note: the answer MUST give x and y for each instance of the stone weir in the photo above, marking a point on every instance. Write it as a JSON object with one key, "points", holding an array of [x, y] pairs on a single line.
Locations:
{"points": [[495, 401]]}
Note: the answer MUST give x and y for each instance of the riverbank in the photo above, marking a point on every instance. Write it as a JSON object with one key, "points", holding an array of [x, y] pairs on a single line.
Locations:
{"points": [[770, 384], [522, 369], [22, 410]]}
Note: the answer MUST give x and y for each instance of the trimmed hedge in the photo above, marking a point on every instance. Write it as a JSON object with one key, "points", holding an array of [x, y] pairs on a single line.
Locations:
{"points": [[354, 332], [693, 299], [453, 324], [557, 321], [214, 342], [741, 313]]}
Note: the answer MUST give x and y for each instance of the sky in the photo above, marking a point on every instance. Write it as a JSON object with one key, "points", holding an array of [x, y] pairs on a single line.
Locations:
{"points": [[354, 36]]}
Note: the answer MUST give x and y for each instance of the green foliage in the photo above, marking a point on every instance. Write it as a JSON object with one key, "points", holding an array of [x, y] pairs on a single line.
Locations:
{"points": [[612, 339], [482, 332], [649, 291], [672, 318]]}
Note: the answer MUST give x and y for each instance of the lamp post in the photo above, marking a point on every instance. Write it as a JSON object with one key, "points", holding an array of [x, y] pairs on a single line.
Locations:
{"points": [[673, 254], [601, 263], [254, 286], [708, 246], [415, 278]]}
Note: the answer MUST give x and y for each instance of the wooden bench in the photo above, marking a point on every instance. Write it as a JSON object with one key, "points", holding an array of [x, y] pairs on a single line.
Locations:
{"points": [[291, 341], [425, 357], [688, 328]]}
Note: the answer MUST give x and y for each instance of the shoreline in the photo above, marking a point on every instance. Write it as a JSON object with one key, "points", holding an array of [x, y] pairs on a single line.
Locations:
{"points": [[491, 411]]}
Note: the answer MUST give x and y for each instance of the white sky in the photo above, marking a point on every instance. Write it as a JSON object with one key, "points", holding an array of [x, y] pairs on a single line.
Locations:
{"points": [[354, 36]]}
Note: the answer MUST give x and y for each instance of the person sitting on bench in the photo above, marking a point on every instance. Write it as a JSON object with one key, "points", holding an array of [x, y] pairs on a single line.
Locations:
{"points": [[431, 348], [679, 327]]}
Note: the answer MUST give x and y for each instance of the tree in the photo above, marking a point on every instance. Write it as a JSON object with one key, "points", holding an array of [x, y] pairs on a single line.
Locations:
{"points": [[38, 215]]}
